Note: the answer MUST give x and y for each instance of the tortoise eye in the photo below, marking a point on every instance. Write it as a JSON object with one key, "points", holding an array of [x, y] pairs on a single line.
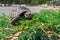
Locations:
{"points": [[29, 14]]}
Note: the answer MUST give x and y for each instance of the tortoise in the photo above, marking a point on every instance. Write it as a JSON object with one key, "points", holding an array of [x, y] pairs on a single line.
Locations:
{"points": [[22, 12]]}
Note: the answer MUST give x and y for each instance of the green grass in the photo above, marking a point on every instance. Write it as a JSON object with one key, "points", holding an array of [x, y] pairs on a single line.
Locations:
{"points": [[41, 23]]}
